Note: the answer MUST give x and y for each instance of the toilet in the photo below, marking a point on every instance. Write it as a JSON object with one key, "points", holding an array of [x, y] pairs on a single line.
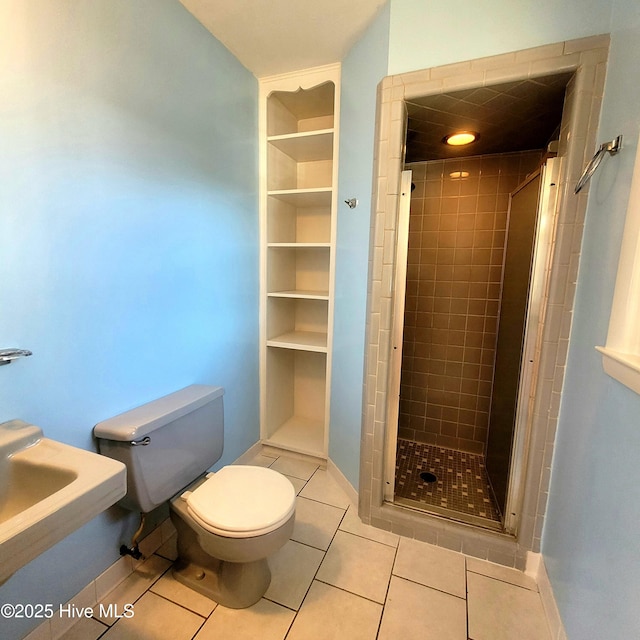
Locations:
{"points": [[228, 522]]}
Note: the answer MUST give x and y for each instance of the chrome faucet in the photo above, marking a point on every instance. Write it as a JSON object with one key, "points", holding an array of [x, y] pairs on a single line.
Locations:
{"points": [[9, 355]]}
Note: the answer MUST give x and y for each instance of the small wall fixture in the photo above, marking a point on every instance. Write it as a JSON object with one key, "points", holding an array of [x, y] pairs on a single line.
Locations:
{"points": [[460, 138], [9, 355], [611, 147], [352, 203]]}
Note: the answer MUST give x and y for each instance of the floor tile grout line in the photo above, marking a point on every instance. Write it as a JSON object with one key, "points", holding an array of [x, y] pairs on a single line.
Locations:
{"points": [[310, 546], [290, 474], [351, 593], [166, 599], [320, 502], [140, 596], [288, 608], [104, 624], [295, 615], [356, 535], [386, 595], [314, 575], [426, 586], [146, 590], [106, 628], [202, 625], [484, 575]]}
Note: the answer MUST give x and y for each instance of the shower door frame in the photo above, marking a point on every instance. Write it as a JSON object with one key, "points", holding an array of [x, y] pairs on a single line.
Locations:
{"points": [[532, 343], [393, 407]]}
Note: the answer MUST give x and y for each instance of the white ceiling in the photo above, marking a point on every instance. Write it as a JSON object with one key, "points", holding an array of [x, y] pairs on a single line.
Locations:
{"points": [[277, 36]]}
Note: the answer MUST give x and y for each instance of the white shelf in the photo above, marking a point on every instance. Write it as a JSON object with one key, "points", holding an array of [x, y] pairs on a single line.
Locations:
{"points": [[303, 435], [299, 245], [301, 341], [301, 294], [306, 146], [304, 198]]}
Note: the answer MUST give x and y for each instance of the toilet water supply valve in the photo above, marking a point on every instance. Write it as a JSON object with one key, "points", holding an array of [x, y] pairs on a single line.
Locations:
{"points": [[134, 549]]}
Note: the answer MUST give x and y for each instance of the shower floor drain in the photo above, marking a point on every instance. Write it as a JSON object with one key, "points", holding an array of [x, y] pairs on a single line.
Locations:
{"points": [[428, 477]]}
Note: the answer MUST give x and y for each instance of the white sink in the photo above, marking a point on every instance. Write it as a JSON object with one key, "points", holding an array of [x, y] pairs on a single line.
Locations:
{"points": [[47, 491]]}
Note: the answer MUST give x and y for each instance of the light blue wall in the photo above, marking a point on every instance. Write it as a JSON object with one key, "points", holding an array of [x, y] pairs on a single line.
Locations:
{"points": [[590, 541], [429, 33], [128, 234], [362, 69]]}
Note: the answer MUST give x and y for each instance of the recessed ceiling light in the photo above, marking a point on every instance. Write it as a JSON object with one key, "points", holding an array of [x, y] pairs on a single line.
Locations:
{"points": [[460, 138]]}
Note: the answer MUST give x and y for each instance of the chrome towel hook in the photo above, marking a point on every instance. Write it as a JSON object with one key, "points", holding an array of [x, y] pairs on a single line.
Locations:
{"points": [[611, 147]]}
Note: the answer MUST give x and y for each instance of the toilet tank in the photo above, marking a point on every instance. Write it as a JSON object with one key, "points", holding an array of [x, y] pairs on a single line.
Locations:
{"points": [[165, 444]]}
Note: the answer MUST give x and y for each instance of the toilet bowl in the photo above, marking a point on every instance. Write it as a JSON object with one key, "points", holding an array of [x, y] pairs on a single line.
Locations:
{"points": [[229, 522]]}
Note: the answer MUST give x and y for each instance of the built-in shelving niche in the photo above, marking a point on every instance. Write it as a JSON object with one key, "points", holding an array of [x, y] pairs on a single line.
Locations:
{"points": [[299, 218]]}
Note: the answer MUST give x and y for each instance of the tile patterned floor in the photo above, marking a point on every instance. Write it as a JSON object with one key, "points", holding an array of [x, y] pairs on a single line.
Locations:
{"points": [[336, 579], [462, 484]]}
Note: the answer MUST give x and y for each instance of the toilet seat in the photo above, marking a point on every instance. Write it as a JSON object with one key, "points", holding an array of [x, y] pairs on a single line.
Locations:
{"points": [[242, 501]]}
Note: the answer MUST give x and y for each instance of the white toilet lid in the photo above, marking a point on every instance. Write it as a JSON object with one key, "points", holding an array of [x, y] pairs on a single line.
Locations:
{"points": [[242, 501]]}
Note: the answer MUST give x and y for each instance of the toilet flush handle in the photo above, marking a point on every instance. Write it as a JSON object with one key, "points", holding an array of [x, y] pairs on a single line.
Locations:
{"points": [[141, 443]]}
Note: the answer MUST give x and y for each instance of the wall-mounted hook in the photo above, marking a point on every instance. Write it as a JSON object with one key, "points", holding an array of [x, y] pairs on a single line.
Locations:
{"points": [[352, 203], [611, 147], [9, 355]]}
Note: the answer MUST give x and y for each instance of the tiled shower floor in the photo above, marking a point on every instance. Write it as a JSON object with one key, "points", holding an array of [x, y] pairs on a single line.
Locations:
{"points": [[462, 484]]}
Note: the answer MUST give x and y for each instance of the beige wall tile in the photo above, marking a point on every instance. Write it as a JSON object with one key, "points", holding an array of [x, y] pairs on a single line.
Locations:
{"points": [[540, 53], [590, 42]]}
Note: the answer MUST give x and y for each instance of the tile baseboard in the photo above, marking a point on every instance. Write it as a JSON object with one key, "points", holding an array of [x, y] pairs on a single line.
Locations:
{"points": [[537, 570], [342, 481]]}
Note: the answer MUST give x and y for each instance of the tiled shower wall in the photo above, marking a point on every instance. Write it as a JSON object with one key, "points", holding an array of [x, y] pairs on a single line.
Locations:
{"points": [[457, 230]]}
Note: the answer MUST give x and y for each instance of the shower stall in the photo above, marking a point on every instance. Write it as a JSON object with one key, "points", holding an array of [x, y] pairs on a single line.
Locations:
{"points": [[473, 245], [578, 79]]}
